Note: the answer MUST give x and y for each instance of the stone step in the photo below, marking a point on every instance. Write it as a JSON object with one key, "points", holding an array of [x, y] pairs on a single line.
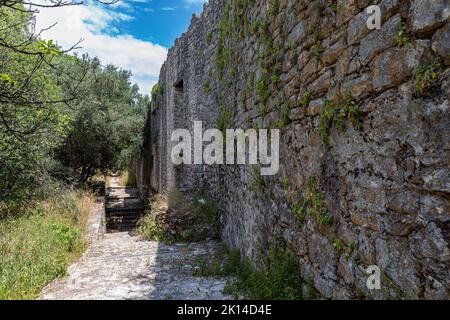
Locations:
{"points": [[122, 192], [115, 229], [119, 223], [123, 209], [123, 218], [125, 214], [121, 226], [116, 198]]}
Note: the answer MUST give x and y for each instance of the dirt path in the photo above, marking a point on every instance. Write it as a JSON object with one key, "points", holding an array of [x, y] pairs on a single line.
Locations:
{"points": [[120, 265]]}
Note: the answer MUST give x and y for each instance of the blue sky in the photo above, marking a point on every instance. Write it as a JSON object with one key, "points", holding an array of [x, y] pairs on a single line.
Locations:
{"points": [[132, 34], [158, 21]]}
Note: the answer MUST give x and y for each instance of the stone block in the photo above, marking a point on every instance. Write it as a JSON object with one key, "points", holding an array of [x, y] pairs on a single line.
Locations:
{"points": [[379, 40], [395, 65], [426, 16], [441, 43]]}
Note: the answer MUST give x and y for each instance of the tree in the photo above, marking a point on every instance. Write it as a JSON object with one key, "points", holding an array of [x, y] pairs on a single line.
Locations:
{"points": [[58, 111], [29, 125], [107, 122]]}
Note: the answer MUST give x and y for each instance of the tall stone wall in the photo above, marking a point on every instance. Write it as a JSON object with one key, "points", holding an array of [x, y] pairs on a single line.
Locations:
{"points": [[364, 120]]}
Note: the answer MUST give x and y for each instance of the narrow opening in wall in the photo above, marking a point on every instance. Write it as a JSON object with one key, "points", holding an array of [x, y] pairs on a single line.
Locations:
{"points": [[180, 116], [179, 86]]}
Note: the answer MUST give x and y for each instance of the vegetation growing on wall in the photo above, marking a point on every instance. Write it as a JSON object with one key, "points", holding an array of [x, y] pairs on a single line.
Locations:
{"points": [[234, 25], [426, 78], [277, 277], [312, 204], [402, 37], [157, 94], [349, 110], [254, 89], [343, 248]]}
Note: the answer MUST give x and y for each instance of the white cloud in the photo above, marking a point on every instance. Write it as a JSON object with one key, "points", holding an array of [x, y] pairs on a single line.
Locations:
{"points": [[169, 8], [95, 24], [195, 1]]}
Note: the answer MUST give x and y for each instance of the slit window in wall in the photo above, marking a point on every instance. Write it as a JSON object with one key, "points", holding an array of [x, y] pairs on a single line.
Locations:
{"points": [[179, 86], [179, 103]]}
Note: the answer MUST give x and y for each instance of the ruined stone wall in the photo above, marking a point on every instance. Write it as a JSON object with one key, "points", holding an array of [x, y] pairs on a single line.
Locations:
{"points": [[364, 120]]}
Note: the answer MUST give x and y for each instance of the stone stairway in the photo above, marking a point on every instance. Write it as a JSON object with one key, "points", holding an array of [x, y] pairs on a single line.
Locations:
{"points": [[121, 265], [123, 208]]}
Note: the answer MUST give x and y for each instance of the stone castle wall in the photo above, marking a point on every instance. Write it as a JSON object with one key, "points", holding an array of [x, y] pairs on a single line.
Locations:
{"points": [[374, 193]]}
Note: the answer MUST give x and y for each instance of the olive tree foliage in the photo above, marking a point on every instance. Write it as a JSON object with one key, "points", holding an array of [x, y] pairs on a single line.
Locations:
{"points": [[107, 122], [61, 116], [24, 56], [31, 102]]}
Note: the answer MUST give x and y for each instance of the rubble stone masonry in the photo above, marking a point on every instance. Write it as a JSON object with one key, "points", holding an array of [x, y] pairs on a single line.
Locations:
{"points": [[364, 119]]}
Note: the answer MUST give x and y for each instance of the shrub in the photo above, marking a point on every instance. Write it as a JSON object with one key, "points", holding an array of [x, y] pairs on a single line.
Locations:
{"points": [[175, 217], [278, 277], [157, 93]]}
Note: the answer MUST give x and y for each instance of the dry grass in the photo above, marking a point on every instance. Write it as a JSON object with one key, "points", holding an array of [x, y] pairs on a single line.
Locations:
{"points": [[76, 205], [127, 179], [107, 181]]}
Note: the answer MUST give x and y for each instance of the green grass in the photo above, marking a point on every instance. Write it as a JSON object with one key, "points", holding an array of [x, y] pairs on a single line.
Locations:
{"points": [[38, 245], [277, 278]]}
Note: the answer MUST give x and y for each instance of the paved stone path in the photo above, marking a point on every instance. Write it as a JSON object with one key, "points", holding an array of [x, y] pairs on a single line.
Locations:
{"points": [[122, 266]]}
